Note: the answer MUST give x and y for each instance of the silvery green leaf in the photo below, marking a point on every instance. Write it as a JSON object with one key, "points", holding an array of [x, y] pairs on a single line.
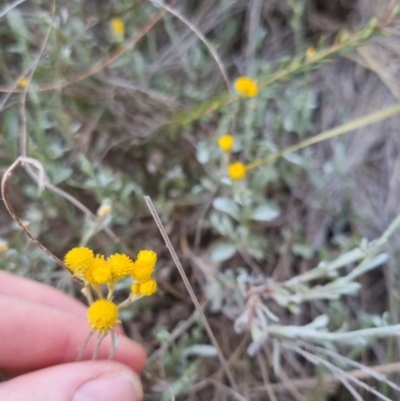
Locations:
{"points": [[256, 333], [17, 24], [255, 346], [269, 314], [265, 212], [293, 308], [203, 350], [242, 323], [228, 206], [294, 158], [223, 251], [202, 153], [60, 174], [320, 322], [221, 223], [276, 357], [303, 250], [350, 289], [214, 294]]}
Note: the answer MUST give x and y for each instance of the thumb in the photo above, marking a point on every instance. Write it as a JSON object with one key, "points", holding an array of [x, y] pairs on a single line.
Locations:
{"points": [[79, 381]]}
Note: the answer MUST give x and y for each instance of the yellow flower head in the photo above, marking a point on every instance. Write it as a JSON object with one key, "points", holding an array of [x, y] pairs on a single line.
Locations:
{"points": [[310, 52], [143, 268], [104, 210], [120, 265], [79, 259], [103, 315], [99, 271], [117, 26], [145, 289], [226, 142], [237, 171], [4, 248], [22, 82], [246, 86], [147, 256]]}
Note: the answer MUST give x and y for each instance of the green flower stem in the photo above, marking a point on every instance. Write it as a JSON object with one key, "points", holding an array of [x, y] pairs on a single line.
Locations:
{"points": [[210, 106], [323, 136]]}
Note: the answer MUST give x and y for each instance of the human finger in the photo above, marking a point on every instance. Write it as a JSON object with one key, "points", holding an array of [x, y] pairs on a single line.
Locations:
{"points": [[79, 381], [35, 336]]}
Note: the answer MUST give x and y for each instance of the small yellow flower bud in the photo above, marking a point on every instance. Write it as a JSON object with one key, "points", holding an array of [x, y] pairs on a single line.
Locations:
{"points": [[117, 26], [99, 271], [4, 248], [121, 265], [79, 259], [226, 142], [310, 52], [23, 82], [246, 86], [104, 210], [237, 171]]}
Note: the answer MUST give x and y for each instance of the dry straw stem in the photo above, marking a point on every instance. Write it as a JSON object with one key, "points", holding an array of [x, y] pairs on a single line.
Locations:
{"points": [[10, 7], [341, 375], [323, 136], [330, 383], [202, 38], [95, 68], [195, 301], [6, 176]]}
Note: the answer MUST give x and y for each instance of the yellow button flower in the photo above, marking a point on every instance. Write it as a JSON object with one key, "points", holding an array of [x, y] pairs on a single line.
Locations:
{"points": [[144, 266], [145, 289], [148, 288], [237, 171], [148, 256], [142, 271], [121, 265], [79, 259], [103, 315], [117, 26], [22, 82], [226, 142], [99, 271], [104, 210], [310, 52], [246, 86], [4, 248]]}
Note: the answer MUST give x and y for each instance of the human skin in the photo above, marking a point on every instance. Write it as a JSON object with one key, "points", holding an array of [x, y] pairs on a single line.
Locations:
{"points": [[41, 333]]}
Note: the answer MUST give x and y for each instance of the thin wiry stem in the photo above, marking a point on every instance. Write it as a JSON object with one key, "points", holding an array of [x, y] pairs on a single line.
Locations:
{"points": [[24, 133], [369, 119], [6, 176], [10, 7], [195, 301], [84, 345], [202, 38], [114, 345], [335, 370], [370, 372], [99, 340]]}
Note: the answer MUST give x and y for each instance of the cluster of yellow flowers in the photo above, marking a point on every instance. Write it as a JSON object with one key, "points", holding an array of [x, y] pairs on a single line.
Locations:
{"points": [[95, 271], [246, 87]]}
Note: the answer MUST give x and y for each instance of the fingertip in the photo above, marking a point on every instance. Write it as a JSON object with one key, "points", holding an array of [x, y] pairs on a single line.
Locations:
{"points": [[79, 381]]}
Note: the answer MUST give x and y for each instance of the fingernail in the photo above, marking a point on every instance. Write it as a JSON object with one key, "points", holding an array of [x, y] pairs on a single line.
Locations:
{"points": [[119, 386]]}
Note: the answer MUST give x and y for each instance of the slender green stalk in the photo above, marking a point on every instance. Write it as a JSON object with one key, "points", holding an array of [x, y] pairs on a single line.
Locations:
{"points": [[323, 136]]}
